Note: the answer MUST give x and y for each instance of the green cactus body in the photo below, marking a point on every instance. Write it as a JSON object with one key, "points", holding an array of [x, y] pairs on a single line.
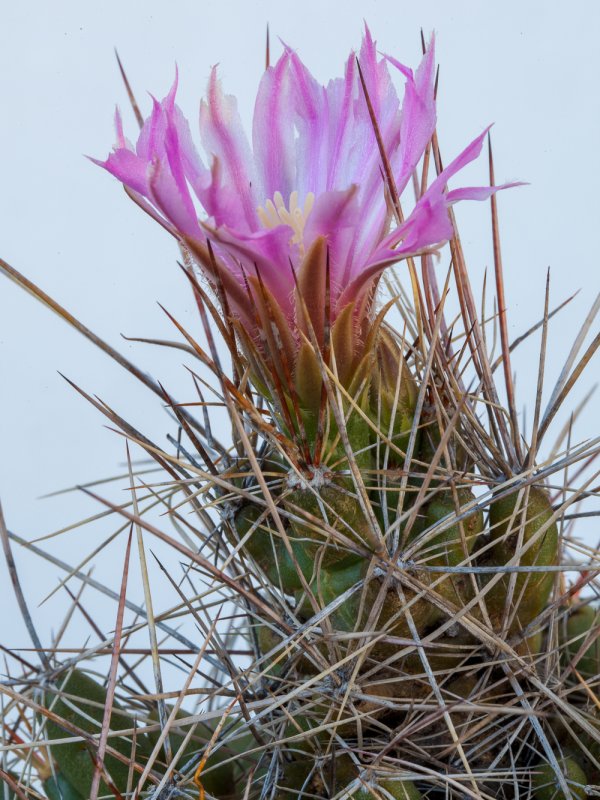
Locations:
{"points": [[579, 744], [398, 789], [393, 622], [328, 494], [444, 652], [74, 759], [298, 560], [283, 563], [379, 702], [545, 785], [298, 776], [308, 542], [329, 585], [581, 623], [326, 588], [336, 500], [194, 745], [352, 615], [287, 565], [219, 779], [303, 779], [531, 590], [393, 396], [303, 727], [430, 439], [57, 787], [346, 775], [340, 507], [451, 547], [532, 646], [270, 552], [267, 640]]}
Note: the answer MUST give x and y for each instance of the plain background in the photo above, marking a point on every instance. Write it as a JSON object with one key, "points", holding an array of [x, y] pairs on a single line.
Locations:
{"points": [[530, 67]]}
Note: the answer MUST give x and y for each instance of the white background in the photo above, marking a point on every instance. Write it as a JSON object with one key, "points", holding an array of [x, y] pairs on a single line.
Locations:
{"points": [[530, 67]]}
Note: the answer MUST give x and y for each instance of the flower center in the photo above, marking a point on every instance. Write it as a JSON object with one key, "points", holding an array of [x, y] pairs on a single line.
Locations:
{"points": [[276, 213]]}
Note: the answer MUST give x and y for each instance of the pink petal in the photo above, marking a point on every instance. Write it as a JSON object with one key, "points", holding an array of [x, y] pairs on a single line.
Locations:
{"points": [[157, 169], [129, 168], [478, 192], [386, 109], [223, 137], [340, 98], [375, 74], [428, 226], [193, 167], [418, 116], [218, 199], [267, 251], [312, 122], [273, 131], [150, 140], [335, 215], [470, 153], [169, 193], [354, 154]]}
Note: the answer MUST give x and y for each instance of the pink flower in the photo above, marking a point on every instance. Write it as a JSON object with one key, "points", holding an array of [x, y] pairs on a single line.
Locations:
{"points": [[308, 188]]}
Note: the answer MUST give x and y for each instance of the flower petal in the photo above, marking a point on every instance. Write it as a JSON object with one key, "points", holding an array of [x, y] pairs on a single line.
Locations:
{"points": [[312, 122], [224, 138], [335, 216], [478, 192], [428, 226], [340, 99], [127, 167], [418, 116], [273, 131], [307, 138], [379, 92], [267, 251], [169, 193]]}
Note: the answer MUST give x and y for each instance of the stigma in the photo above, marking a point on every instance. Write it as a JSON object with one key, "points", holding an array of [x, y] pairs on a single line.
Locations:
{"points": [[275, 212]]}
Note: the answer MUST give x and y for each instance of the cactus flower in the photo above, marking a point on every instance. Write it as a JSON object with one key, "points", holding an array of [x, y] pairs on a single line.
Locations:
{"points": [[306, 198]]}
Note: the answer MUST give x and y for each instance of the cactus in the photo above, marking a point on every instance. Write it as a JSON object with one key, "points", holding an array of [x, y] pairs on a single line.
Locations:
{"points": [[546, 787], [582, 647], [81, 702], [372, 602], [57, 787], [537, 536]]}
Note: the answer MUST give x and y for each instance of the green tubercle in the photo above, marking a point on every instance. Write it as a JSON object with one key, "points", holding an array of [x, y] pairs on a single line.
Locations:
{"points": [[509, 524], [452, 546], [84, 707], [374, 785], [342, 780], [282, 564], [545, 785], [57, 787], [582, 635], [328, 585]]}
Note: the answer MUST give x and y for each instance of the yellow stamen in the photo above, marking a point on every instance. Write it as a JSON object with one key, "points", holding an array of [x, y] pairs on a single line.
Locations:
{"points": [[276, 213]]}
